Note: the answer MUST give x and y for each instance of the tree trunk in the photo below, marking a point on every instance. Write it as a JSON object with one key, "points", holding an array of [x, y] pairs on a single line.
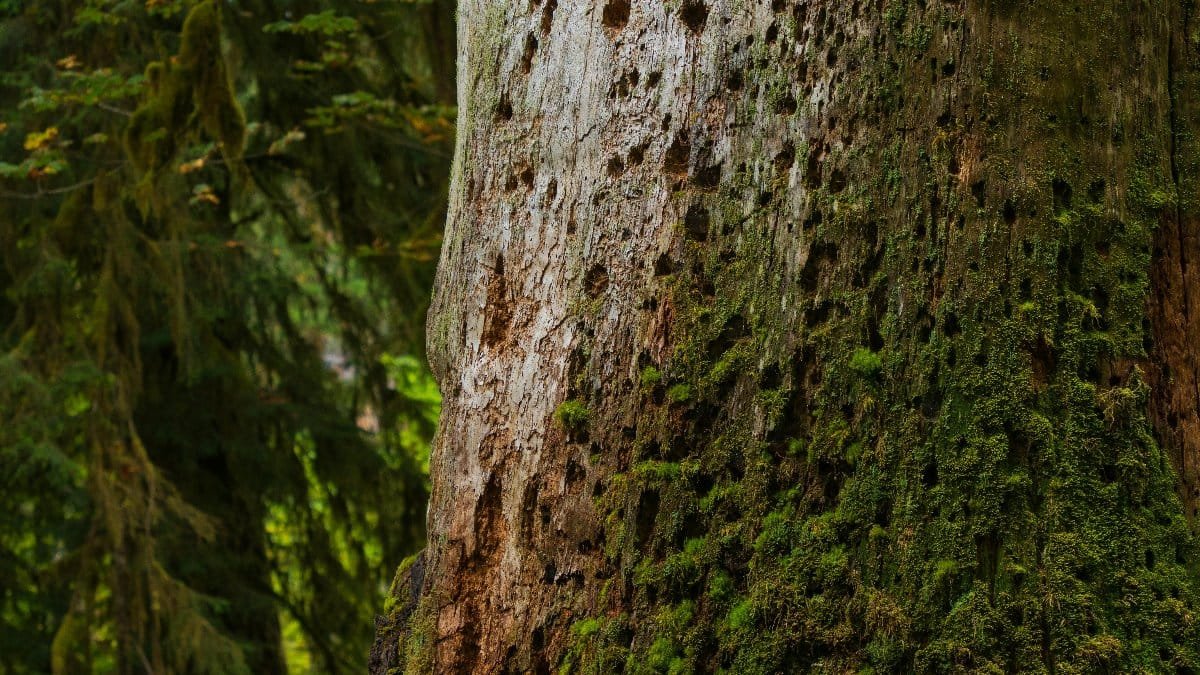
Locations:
{"points": [[814, 335]]}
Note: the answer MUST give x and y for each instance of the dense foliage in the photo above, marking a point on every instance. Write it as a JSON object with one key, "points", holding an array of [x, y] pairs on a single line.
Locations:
{"points": [[218, 223]]}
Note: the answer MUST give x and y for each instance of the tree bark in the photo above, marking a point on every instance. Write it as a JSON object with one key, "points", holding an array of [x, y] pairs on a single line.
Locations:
{"points": [[821, 336]]}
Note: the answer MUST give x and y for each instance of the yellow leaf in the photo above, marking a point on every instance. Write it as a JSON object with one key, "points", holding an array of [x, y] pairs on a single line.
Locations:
{"points": [[40, 139], [194, 165], [206, 196], [40, 172], [68, 62], [3, 127]]}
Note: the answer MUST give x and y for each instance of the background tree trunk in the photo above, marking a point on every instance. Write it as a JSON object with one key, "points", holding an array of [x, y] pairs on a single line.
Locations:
{"points": [[815, 335]]}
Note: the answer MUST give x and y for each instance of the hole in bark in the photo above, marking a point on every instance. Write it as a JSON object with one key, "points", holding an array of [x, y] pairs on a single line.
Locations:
{"points": [[548, 16], [812, 171], [526, 177], [696, 222], [818, 314], [735, 329], [1042, 361], [596, 280], [1096, 191], [1010, 211], [979, 192], [616, 166], [675, 162], [1062, 195], [821, 257], [677, 449], [531, 45], [735, 81], [814, 219], [1070, 260], [694, 15], [950, 326], [708, 178], [786, 105], [499, 312], [647, 513], [636, 155], [786, 158], [1100, 300], [771, 377], [504, 111], [929, 477], [489, 519], [663, 265], [772, 33], [653, 79], [528, 506], [616, 14]]}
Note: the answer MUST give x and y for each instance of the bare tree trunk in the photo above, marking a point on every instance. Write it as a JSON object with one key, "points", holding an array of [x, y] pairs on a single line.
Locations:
{"points": [[815, 335]]}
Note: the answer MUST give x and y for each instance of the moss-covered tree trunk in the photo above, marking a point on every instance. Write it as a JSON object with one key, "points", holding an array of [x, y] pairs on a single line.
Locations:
{"points": [[811, 335]]}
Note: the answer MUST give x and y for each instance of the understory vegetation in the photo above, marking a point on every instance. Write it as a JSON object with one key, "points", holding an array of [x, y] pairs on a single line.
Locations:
{"points": [[218, 229]]}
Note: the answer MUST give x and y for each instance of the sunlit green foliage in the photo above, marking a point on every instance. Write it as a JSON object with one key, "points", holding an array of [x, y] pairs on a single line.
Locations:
{"points": [[218, 225]]}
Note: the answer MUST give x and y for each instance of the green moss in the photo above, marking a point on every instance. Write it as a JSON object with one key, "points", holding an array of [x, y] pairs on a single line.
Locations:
{"points": [[679, 393], [586, 628], [572, 415], [419, 646], [657, 472], [741, 617], [866, 362], [650, 377]]}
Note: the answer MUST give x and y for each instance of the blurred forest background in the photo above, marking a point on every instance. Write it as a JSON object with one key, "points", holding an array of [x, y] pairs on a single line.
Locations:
{"points": [[218, 227]]}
